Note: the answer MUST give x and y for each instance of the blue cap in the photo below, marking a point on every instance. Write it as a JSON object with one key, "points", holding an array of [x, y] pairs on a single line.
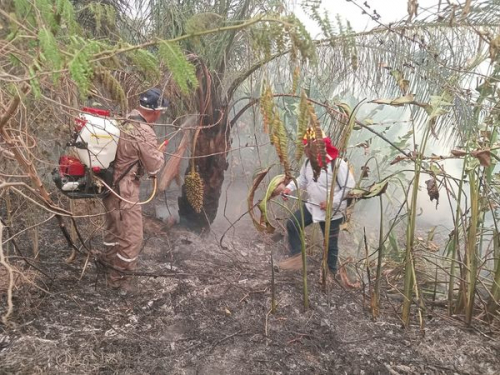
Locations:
{"points": [[152, 99]]}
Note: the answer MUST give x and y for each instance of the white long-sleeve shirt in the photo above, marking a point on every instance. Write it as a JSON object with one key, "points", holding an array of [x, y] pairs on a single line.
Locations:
{"points": [[318, 191]]}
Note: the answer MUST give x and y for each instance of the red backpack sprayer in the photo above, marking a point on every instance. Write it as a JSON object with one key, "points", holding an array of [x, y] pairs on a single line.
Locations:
{"points": [[90, 156], [86, 171]]}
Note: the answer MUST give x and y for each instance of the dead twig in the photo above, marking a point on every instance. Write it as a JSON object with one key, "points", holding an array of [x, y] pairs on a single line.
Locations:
{"points": [[10, 272]]}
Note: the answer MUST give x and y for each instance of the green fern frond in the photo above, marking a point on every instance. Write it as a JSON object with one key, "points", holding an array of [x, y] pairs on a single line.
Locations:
{"points": [[202, 21], [48, 45], [47, 13], [312, 8], [261, 40], [183, 72], [80, 68], [300, 38], [14, 60], [24, 11], [112, 86], [35, 84], [145, 62], [22, 8], [65, 9], [97, 11], [110, 14]]}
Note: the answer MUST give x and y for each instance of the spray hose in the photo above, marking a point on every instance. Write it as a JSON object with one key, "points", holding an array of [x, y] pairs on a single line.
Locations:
{"points": [[126, 200], [155, 184]]}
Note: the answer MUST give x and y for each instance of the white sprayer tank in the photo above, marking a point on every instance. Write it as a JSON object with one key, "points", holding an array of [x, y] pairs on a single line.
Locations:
{"points": [[100, 135]]}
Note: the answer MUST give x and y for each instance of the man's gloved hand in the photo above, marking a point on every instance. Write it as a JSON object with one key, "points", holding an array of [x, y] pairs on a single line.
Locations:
{"points": [[285, 192], [163, 145], [278, 190]]}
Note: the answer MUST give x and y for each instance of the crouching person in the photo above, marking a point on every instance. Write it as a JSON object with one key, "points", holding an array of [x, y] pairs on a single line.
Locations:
{"points": [[314, 209]]}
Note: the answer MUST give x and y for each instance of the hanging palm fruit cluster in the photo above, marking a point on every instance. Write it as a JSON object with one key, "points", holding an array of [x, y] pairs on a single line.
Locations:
{"points": [[302, 124], [278, 137], [275, 128], [309, 128], [194, 190]]}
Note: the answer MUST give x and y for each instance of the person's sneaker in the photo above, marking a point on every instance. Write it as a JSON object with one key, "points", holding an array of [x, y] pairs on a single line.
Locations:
{"points": [[293, 263]]}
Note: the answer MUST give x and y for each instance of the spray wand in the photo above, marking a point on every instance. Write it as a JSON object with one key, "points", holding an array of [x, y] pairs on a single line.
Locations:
{"points": [[303, 201]]}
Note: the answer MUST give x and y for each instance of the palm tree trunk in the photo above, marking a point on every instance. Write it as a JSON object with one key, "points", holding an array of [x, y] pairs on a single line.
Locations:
{"points": [[210, 156]]}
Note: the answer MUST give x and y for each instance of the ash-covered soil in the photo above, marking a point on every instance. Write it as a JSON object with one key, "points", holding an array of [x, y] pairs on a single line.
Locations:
{"points": [[209, 313]]}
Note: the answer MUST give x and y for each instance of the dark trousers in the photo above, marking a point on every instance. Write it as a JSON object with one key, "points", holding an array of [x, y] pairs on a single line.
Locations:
{"points": [[294, 235]]}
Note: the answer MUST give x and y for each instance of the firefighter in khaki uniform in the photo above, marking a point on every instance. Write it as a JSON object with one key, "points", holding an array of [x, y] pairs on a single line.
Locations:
{"points": [[137, 153]]}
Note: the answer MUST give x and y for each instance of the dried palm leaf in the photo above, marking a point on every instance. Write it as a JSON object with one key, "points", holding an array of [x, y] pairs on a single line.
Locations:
{"points": [[171, 169]]}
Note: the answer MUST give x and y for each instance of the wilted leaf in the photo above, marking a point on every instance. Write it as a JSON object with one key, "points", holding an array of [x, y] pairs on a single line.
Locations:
{"points": [[433, 190], [403, 83], [438, 105], [398, 159], [377, 189], [435, 169], [484, 157], [373, 191], [346, 109], [458, 152], [365, 171], [365, 146], [357, 193]]}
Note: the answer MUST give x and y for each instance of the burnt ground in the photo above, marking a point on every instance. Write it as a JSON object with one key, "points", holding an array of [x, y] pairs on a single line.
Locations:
{"points": [[210, 314]]}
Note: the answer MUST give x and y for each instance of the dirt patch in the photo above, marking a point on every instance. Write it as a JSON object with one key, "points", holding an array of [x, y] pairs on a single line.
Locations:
{"points": [[213, 317]]}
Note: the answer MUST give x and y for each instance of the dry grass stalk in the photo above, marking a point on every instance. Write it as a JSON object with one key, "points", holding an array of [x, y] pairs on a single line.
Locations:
{"points": [[10, 273]]}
